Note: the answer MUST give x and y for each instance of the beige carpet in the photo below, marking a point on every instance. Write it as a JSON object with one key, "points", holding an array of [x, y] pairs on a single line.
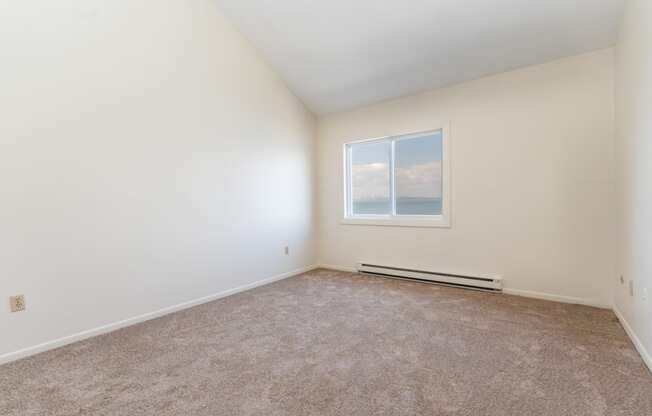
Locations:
{"points": [[331, 343]]}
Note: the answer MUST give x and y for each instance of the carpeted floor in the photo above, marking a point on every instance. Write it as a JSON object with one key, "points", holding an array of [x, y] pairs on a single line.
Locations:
{"points": [[332, 343]]}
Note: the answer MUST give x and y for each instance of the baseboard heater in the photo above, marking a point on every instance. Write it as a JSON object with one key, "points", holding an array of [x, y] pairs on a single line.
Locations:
{"points": [[491, 284]]}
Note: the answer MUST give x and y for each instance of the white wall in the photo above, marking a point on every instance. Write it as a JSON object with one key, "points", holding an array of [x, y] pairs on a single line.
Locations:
{"points": [[634, 170], [532, 154], [148, 157]]}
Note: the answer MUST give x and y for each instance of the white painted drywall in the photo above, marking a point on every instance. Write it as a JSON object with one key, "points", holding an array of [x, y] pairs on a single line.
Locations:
{"points": [[148, 157], [532, 156], [634, 170]]}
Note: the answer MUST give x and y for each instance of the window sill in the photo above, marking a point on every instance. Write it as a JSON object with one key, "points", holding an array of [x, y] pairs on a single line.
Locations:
{"points": [[435, 222]]}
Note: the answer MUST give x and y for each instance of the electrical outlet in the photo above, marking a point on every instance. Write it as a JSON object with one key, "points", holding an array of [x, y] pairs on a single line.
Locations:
{"points": [[645, 294], [631, 288], [17, 303], [622, 279], [287, 250]]}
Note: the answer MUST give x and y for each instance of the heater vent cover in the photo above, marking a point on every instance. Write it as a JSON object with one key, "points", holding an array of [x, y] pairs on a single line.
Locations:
{"points": [[491, 284]]}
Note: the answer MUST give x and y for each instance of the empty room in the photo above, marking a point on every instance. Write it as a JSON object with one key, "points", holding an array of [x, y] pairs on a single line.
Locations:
{"points": [[326, 207]]}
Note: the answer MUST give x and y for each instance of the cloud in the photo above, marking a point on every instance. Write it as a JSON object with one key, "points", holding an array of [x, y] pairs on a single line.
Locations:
{"points": [[371, 181], [423, 180]]}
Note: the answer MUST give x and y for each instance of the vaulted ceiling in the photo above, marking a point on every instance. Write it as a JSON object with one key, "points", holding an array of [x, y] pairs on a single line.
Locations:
{"points": [[341, 54]]}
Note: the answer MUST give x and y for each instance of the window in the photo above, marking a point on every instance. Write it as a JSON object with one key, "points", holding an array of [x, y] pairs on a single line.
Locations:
{"points": [[398, 180], [370, 179]]}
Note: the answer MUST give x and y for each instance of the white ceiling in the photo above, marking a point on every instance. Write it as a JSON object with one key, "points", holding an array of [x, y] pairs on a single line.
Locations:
{"points": [[341, 54]]}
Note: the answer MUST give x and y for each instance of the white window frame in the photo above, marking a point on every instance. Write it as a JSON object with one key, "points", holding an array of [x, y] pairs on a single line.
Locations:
{"points": [[443, 220]]}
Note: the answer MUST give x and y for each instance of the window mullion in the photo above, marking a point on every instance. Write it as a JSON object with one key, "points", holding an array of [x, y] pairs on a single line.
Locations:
{"points": [[349, 180], [392, 176]]}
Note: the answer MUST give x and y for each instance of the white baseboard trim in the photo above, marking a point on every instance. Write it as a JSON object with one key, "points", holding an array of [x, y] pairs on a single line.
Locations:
{"points": [[645, 355], [509, 291], [26, 352], [556, 298], [338, 268]]}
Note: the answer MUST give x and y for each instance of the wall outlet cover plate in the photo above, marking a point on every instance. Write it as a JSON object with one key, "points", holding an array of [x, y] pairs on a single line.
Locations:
{"points": [[17, 303]]}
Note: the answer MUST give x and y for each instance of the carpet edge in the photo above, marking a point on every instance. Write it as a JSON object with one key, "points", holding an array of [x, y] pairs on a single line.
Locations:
{"points": [[645, 355], [93, 332]]}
